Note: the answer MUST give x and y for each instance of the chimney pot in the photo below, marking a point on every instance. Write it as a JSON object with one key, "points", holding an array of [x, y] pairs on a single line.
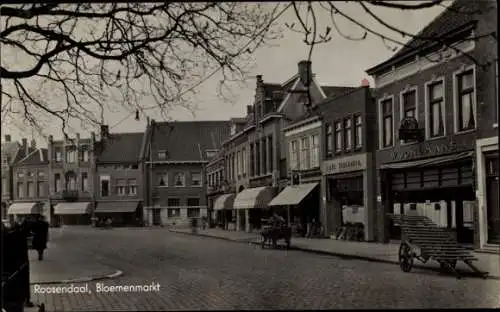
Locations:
{"points": [[78, 136], [7, 138], [51, 138], [104, 131], [305, 72], [259, 78]]}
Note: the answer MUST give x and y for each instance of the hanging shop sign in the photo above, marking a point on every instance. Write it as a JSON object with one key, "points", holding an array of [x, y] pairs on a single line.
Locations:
{"points": [[433, 148], [344, 164]]}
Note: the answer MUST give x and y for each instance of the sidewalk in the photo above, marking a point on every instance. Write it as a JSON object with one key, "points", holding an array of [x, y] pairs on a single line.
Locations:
{"points": [[62, 263], [385, 253]]}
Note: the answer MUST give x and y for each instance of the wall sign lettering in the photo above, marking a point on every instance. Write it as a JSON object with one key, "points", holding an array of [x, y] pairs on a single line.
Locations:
{"points": [[344, 164], [427, 149]]}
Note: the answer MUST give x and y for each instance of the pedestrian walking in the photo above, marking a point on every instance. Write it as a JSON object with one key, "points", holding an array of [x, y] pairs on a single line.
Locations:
{"points": [[40, 236]]}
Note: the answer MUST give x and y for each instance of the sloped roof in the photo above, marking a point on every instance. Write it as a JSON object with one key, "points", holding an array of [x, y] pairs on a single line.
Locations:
{"points": [[22, 154], [334, 91], [457, 15], [188, 140], [38, 156], [9, 150], [121, 147]]}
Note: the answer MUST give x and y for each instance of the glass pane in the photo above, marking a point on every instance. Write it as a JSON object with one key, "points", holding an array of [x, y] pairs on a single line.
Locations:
{"points": [[466, 113], [338, 141], [436, 91], [467, 81], [349, 138], [435, 119], [387, 106], [409, 99], [388, 131], [348, 123], [359, 136], [410, 113]]}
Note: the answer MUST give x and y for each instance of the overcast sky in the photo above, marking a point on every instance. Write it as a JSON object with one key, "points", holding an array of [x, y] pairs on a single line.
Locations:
{"points": [[340, 62]]}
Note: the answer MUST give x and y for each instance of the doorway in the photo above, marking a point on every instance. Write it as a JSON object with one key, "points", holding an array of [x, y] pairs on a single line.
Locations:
{"points": [[156, 216], [493, 210]]}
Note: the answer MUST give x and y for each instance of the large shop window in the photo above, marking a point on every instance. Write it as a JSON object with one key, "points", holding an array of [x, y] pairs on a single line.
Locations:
{"points": [[466, 106], [347, 191], [387, 122], [436, 109]]}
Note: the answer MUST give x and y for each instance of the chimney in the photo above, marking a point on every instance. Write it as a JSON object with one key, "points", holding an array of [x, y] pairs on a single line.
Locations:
{"points": [[7, 138], [260, 81], [104, 131], [49, 150], [51, 138], [305, 72], [365, 83], [33, 144], [25, 145], [78, 136]]}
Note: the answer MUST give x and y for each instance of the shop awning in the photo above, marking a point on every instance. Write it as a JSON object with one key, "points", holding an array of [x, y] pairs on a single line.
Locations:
{"points": [[257, 197], [24, 208], [79, 208], [293, 194], [116, 206], [224, 202], [421, 163]]}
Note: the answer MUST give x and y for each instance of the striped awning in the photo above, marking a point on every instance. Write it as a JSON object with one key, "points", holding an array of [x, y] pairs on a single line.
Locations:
{"points": [[224, 202], [257, 197], [293, 194], [78, 208], [24, 209], [116, 206], [434, 161]]}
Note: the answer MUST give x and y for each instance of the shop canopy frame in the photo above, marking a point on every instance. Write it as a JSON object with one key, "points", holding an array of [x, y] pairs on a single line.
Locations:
{"points": [[75, 208], [224, 202], [293, 194], [257, 197], [117, 206], [428, 162], [24, 208]]}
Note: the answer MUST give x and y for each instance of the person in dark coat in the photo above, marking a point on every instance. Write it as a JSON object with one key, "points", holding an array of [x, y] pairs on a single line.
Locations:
{"points": [[22, 232], [40, 236]]}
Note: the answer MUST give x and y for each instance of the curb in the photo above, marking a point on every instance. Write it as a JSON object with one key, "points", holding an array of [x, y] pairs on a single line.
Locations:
{"points": [[339, 255], [86, 279]]}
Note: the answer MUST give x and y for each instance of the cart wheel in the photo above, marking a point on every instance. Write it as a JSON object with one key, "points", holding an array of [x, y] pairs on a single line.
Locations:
{"points": [[405, 257], [445, 268]]}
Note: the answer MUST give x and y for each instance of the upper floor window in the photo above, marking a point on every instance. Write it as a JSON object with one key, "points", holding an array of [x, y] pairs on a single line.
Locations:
{"points": [[132, 187], [195, 178], [293, 155], [348, 133], [71, 181], [244, 161], [162, 155], [338, 137], [304, 151], [358, 133], [329, 140], [238, 163], [41, 188], [387, 111], [105, 185], [435, 109], [409, 104], [85, 182], [466, 117], [57, 182], [84, 153], [173, 202], [58, 154], [314, 153], [20, 189], [120, 187], [162, 178], [179, 179], [31, 189], [193, 202], [70, 155]]}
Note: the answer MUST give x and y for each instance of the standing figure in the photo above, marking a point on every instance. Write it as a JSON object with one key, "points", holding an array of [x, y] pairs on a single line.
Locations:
{"points": [[40, 236]]}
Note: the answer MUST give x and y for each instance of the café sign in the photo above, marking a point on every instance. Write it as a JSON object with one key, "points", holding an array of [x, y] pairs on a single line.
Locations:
{"points": [[433, 148], [344, 164]]}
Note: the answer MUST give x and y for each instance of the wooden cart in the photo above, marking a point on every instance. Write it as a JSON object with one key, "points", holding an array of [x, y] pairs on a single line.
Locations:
{"points": [[423, 240], [270, 235]]}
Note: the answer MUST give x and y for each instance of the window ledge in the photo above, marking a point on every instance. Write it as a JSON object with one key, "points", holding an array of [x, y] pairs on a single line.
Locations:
{"points": [[465, 131], [386, 148], [436, 138]]}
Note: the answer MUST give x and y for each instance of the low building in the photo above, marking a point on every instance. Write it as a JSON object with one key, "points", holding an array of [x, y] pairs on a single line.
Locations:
{"points": [[71, 176], [176, 155], [11, 152], [30, 179], [220, 199], [119, 179]]}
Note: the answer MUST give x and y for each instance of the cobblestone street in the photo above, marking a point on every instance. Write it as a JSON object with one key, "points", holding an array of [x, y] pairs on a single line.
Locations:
{"points": [[198, 273]]}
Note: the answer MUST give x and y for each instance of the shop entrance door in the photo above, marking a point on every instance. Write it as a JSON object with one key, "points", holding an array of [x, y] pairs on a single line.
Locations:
{"points": [[493, 210], [156, 216]]}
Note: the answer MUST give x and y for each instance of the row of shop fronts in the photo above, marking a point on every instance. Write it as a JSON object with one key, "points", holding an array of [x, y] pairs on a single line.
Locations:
{"points": [[79, 213], [457, 190]]}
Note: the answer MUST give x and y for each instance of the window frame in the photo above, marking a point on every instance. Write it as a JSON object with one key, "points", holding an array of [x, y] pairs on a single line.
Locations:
{"points": [[293, 165], [402, 109], [131, 186], [70, 154], [304, 153], [121, 186], [161, 152], [358, 139], [58, 154], [329, 146], [457, 97], [347, 129], [496, 107], [84, 154], [428, 103], [85, 181], [20, 190], [164, 175], [31, 194], [183, 174], [200, 180], [39, 187], [381, 121], [57, 182], [314, 144], [337, 149], [103, 178]]}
